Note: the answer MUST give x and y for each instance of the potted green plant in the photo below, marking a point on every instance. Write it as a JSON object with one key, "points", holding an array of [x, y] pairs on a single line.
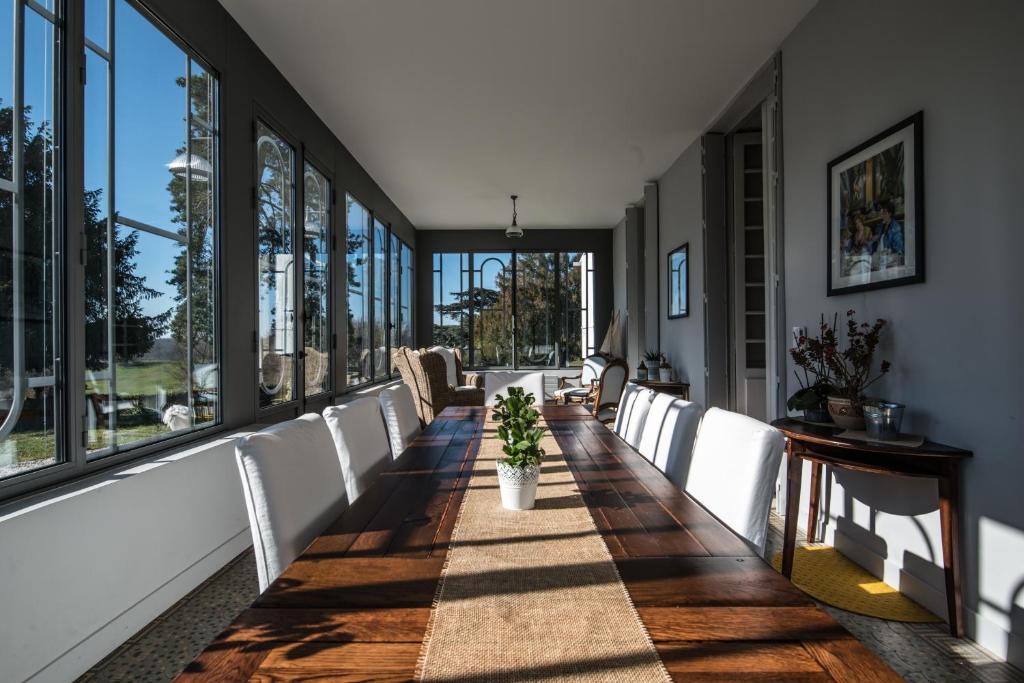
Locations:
{"points": [[643, 372], [519, 470], [851, 368]]}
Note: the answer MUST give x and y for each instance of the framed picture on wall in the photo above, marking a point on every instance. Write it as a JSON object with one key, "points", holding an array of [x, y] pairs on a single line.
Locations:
{"points": [[876, 212], [678, 282]]}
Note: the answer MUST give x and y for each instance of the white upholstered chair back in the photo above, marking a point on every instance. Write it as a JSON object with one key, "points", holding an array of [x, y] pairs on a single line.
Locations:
{"points": [[293, 487], [592, 368], [613, 381], [499, 381], [733, 471], [668, 435], [361, 442], [633, 408], [398, 407]]}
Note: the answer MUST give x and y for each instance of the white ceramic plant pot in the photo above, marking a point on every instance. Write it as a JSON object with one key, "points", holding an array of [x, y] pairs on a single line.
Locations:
{"points": [[518, 486], [665, 374]]}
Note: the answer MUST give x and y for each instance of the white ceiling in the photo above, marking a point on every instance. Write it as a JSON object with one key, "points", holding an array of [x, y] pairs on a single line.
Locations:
{"points": [[453, 105]]}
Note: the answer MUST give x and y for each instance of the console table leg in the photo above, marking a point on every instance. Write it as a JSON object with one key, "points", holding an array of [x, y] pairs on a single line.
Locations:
{"points": [[794, 470], [949, 515], [812, 509]]}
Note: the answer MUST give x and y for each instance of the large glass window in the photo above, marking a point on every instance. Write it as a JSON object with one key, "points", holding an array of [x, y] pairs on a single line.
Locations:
{"points": [[358, 247], [275, 219], [405, 287], [451, 301], [551, 294], [30, 269], [316, 281], [151, 356], [381, 363]]}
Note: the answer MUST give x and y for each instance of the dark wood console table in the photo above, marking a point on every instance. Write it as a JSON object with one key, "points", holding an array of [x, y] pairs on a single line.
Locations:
{"points": [[822, 445], [680, 389]]}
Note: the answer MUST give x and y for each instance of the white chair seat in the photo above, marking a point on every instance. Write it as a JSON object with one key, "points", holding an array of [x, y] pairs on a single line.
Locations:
{"points": [[575, 392], [293, 488], [361, 441], [733, 471], [398, 407]]}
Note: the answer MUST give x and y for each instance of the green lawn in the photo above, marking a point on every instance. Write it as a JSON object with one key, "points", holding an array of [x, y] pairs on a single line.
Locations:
{"points": [[144, 377]]}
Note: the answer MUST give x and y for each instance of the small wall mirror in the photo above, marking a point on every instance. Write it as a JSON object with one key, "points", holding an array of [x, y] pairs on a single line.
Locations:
{"points": [[678, 282]]}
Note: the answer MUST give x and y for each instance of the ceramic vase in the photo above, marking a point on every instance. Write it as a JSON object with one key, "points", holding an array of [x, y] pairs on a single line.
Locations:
{"points": [[518, 486], [845, 414]]}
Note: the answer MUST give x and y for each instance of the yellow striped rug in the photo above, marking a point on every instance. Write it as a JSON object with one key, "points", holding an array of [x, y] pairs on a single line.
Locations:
{"points": [[826, 575]]}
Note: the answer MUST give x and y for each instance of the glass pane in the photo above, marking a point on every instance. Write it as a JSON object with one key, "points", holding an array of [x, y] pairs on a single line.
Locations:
{"points": [[492, 309], [96, 22], [150, 125], [405, 309], [202, 217], [381, 363], [29, 400], [151, 364], [358, 265], [577, 307], [316, 283], [274, 218], [451, 302], [201, 96], [394, 297], [538, 335]]}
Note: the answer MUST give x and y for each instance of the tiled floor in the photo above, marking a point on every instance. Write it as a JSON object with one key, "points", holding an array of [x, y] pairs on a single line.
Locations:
{"points": [[921, 653]]}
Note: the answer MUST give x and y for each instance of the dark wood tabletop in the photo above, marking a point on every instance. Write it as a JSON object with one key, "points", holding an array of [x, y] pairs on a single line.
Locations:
{"points": [[355, 604]]}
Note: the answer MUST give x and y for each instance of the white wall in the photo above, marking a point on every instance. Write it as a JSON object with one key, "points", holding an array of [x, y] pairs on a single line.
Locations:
{"points": [[87, 567], [850, 70], [681, 213]]}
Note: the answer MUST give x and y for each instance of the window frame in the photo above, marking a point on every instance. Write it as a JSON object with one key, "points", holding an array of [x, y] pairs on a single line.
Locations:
{"points": [[262, 115], [332, 250], [69, 323]]}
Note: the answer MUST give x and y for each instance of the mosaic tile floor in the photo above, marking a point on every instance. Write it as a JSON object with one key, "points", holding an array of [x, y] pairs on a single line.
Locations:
{"points": [[921, 653]]}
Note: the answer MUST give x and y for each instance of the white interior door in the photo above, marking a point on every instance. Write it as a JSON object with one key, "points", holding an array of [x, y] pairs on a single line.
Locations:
{"points": [[750, 304]]}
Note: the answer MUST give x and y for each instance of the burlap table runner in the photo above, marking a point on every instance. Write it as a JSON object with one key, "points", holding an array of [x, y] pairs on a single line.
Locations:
{"points": [[532, 595]]}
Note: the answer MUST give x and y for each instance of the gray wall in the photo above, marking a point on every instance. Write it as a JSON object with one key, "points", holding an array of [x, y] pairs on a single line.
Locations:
{"points": [[850, 70], [680, 214], [430, 242], [249, 80], [619, 269]]}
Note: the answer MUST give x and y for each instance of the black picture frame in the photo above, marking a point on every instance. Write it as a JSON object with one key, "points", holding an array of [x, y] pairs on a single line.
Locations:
{"points": [[678, 281], [879, 180]]}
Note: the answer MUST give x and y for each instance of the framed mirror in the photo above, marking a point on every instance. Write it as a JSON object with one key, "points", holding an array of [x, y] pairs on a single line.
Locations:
{"points": [[678, 282]]}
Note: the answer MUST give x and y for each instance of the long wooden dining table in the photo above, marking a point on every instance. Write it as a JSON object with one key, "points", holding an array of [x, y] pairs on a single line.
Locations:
{"points": [[355, 605]]}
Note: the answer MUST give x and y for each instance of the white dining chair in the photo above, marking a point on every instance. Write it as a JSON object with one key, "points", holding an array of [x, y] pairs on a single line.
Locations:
{"points": [[499, 382], [733, 470], [632, 414], [668, 435], [361, 441], [610, 385], [293, 488], [398, 407]]}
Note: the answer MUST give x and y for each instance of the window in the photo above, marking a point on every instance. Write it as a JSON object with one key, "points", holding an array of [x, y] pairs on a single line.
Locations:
{"points": [[405, 296], [551, 294], [275, 161], [451, 301], [381, 362], [151, 339], [358, 265], [30, 269], [316, 287]]}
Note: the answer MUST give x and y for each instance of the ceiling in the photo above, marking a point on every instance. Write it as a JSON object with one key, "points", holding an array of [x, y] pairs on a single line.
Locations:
{"points": [[453, 105]]}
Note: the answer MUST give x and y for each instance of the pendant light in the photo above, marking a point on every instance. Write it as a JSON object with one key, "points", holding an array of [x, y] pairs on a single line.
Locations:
{"points": [[514, 231]]}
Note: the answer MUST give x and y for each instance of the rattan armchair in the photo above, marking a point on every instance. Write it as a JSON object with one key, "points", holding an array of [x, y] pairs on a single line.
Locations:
{"points": [[427, 375]]}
